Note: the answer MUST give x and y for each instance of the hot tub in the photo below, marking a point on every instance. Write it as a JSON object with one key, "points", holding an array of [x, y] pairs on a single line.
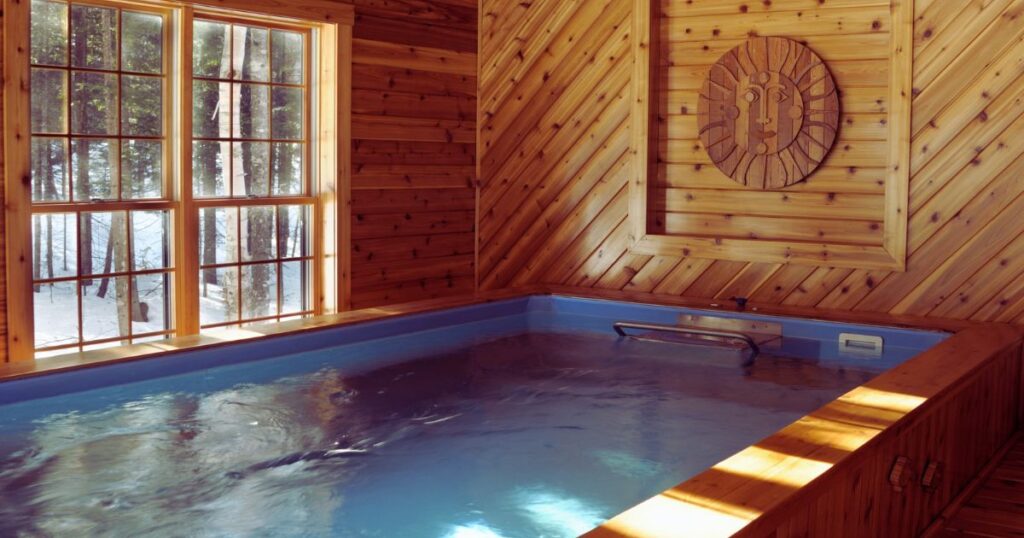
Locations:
{"points": [[521, 417]]}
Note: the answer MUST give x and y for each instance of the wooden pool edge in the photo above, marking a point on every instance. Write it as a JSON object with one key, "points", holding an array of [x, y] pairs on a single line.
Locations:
{"points": [[101, 357], [828, 474]]}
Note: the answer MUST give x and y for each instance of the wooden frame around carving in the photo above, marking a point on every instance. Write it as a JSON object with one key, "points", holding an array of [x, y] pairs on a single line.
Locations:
{"points": [[890, 255]]}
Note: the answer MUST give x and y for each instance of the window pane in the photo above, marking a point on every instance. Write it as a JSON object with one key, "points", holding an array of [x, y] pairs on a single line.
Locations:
{"points": [[293, 231], [249, 109], [295, 280], [287, 113], [93, 37], [286, 163], [259, 290], [208, 177], [210, 49], [49, 33], [49, 170], [149, 240], [103, 345], [155, 338], [93, 164], [93, 103], [251, 173], [151, 304], [258, 233], [49, 101], [218, 235], [55, 308], [218, 295], [54, 245], [141, 106], [210, 118], [143, 46], [250, 52], [142, 169], [286, 57], [104, 243], [105, 304]]}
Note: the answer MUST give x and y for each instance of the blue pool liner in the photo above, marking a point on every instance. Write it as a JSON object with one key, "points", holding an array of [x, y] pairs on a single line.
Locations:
{"points": [[372, 344]]}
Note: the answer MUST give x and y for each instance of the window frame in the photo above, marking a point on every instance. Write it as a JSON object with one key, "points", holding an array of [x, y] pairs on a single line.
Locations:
{"points": [[329, 81], [119, 203], [231, 200]]}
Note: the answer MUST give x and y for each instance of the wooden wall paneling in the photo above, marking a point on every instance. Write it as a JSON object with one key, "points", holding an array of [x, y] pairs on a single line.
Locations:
{"points": [[413, 187], [965, 149], [864, 143], [989, 33], [594, 112], [683, 275], [894, 238], [3, 218], [570, 246], [554, 75], [17, 199]]}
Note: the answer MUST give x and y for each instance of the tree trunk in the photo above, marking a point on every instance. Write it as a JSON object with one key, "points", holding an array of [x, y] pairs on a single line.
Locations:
{"points": [[108, 258]]}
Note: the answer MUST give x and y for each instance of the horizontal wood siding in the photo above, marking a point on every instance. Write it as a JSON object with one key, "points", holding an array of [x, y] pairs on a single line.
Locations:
{"points": [[413, 150], [554, 84]]}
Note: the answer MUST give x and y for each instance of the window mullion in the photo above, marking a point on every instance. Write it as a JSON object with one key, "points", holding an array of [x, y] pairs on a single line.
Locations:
{"points": [[187, 219]]}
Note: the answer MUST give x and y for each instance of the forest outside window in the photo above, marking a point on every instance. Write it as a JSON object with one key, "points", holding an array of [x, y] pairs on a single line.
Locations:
{"points": [[249, 175], [101, 210], [175, 179]]}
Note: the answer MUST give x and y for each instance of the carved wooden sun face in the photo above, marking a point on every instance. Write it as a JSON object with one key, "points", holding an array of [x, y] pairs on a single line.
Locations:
{"points": [[768, 112]]}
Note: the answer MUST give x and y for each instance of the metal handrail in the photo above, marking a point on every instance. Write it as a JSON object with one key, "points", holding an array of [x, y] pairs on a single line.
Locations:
{"points": [[621, 326]]}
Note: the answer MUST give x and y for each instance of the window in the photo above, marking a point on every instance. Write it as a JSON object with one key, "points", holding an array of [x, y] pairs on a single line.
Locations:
{"points": [[176, 182], [250, 135], [101, 215]]}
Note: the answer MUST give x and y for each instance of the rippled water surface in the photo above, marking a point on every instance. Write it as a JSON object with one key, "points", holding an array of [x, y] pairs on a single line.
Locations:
{"points": [[532, 435]]}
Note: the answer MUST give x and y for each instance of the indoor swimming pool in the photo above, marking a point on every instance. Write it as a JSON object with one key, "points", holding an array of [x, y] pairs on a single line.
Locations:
{"points": [[518, 418]]}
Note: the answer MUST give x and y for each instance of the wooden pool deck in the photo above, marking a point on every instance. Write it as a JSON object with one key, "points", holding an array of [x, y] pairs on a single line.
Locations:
{"points": [[996, 508]]}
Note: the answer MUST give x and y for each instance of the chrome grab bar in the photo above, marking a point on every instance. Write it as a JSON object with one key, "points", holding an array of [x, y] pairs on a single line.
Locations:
{"points": [[621, 326]]}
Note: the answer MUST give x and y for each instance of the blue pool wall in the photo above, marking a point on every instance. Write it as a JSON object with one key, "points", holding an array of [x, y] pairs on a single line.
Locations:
{"points": [[357, 347], [822, 337]]}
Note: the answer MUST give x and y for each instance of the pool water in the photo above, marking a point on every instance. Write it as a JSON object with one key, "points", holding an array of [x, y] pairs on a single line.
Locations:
{"points": [[531, 434]]}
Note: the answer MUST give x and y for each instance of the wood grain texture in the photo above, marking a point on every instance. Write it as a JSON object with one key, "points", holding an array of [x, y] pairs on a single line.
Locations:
{"points": [[788, 138], [413, 150], [768, 112], [826, 475], [548, 183], [996, 506]]}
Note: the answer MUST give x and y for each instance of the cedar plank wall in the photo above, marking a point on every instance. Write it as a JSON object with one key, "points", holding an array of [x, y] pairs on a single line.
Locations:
{"points": [[840, 203], [554, 85], [413, 149]]}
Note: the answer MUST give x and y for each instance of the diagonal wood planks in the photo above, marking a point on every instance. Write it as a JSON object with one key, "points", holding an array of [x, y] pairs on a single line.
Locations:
{"points": [[556, 217]]}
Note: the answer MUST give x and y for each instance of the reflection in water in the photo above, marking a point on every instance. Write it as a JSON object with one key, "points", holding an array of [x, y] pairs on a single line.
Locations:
{"points": [[532, 435]]}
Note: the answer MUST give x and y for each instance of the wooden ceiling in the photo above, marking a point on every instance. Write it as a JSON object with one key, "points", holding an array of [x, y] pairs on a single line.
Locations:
{"points": [[554, 83]]}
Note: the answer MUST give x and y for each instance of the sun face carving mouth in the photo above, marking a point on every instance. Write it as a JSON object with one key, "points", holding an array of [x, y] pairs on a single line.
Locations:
{"points": [[768, 112]]}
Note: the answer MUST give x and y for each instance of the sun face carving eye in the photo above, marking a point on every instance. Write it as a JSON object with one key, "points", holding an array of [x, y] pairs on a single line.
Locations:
{"points": [[768, 112]]}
